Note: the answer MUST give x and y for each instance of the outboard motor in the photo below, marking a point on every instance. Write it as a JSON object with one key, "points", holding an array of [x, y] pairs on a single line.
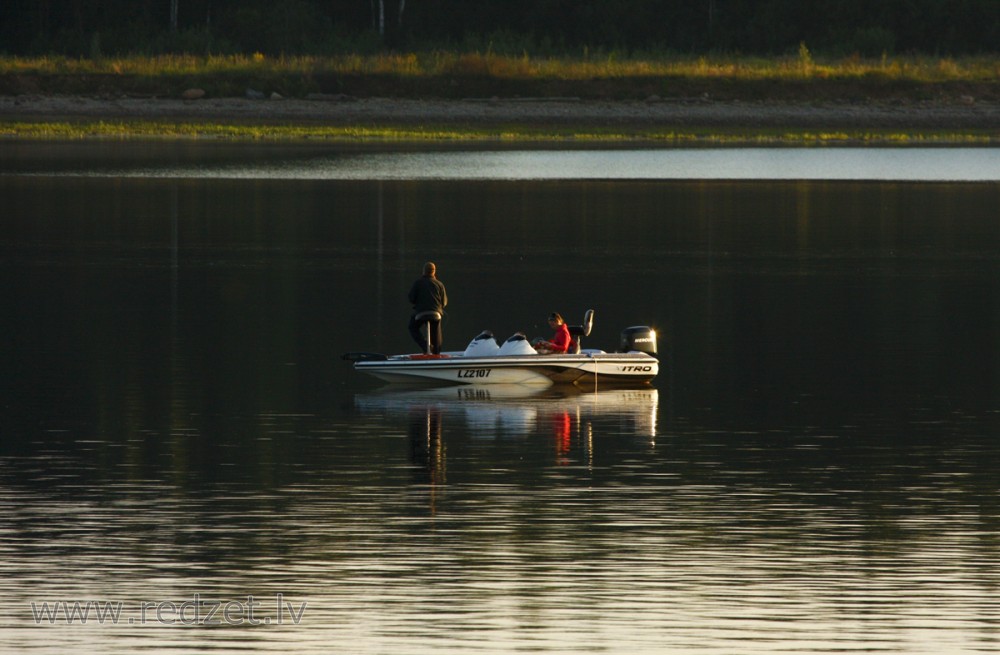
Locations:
{"points": [[485, 345], [639, 338]]}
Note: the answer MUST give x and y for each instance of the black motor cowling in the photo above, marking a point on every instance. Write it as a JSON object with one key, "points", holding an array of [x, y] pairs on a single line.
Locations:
{"points": [[640, 338]]}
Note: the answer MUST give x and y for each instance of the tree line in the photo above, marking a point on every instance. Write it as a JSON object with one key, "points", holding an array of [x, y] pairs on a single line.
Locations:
{"points": [[538, 27]]}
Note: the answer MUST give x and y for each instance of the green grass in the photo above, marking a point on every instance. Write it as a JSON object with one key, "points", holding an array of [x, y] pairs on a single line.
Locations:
{"points": [[430, 64], [507, 133], [439, 74]]}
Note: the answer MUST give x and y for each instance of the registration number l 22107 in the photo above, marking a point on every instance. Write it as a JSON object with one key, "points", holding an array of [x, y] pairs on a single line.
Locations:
{"points": [[474, 372]]}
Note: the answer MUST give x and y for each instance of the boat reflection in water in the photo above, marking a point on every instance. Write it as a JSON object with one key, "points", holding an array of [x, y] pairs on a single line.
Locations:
{"points": [[570, 416]]}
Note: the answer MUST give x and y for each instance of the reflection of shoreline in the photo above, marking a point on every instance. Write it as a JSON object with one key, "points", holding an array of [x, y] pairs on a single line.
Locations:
{"points": [[503, 410]]}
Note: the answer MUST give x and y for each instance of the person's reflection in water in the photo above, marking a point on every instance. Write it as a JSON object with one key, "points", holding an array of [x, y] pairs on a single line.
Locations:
{"points": [[562, 424], [426, 444]]}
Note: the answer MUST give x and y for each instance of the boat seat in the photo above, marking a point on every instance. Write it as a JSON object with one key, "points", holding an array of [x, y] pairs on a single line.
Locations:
{"points": [[427, 316], [577, 331]]}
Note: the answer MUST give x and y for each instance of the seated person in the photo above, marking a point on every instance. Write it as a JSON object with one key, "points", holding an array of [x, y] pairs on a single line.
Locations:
{"points": [[560, 341]]}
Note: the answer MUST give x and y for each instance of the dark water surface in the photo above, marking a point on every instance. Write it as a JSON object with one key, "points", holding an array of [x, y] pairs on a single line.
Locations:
{"points": [[815, 469]]}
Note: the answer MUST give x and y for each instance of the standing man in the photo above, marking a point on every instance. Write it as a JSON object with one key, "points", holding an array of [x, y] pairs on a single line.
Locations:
{"points": [[429, 299]]}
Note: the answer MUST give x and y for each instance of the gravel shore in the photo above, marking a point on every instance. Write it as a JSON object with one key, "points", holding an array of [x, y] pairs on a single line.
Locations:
{"points": [[959, 114]]}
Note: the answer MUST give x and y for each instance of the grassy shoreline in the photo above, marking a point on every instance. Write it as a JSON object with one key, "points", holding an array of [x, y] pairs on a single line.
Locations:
{"points": [[433, 64], [158, 129], [458, 75], [455, 77]]}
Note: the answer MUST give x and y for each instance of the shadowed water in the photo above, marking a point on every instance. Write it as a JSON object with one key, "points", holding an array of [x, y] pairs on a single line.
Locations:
{"points": [[814, 470]]}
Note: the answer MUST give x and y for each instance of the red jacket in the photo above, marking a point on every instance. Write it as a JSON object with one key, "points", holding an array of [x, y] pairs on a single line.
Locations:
{"points": [[560, 342]]}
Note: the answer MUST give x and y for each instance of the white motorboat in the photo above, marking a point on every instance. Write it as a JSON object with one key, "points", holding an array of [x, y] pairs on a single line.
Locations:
{"points": [[485, 361]]}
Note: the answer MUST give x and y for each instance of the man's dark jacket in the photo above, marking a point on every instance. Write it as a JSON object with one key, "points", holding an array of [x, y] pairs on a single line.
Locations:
{"points": [[428, 295]]}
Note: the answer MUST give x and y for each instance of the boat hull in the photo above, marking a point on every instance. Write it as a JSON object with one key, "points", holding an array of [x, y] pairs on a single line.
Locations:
{"points": [[542, 370]]}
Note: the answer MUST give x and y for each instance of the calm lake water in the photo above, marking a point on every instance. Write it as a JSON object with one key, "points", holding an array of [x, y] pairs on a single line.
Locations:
{"points": [[186, 458]]}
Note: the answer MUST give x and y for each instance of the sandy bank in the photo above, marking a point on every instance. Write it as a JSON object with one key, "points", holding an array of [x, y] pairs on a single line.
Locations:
{"points": [[959, 114]]}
